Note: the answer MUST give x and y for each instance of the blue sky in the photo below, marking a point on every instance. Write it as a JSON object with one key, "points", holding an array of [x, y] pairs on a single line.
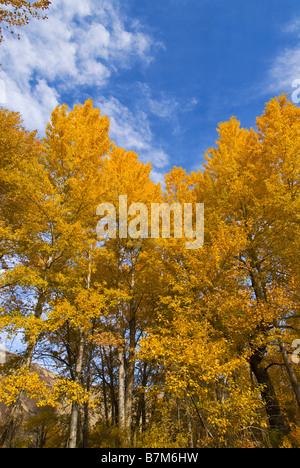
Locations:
{"points": [[166, 72]]}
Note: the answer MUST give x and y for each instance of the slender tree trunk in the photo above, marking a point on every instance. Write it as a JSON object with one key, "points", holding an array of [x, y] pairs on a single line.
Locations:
{"points": [[121, 358], [179, 423], [14, 415], [131, 365], [288, 365], [112, 388], [122, 408], [104, 387], [190, 426], [141, 409], [86, 406], [72, 442], [275, 417], [290, 371], [202, 421]]}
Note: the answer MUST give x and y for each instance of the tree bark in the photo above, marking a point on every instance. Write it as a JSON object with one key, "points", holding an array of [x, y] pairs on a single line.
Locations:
{"points": [[290, 371], [121, 358], [14, 415], [132, 346], [141, 409], [104, 387], [189, 424], [86, 406], [275, 417], [72, 441], [122, 408]]}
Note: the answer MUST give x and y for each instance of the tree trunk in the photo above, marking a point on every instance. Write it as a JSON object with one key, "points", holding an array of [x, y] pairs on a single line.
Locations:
{"points": [[86, 406], [112, 388], [121, 388], [104, 387], [122, 408], [275, 417], [141, 409], [72, 442], [14, 415], [290, 371], [121, 358], [189, 423], [131, 364]]}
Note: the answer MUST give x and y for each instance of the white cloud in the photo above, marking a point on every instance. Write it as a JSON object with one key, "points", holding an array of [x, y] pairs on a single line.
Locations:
{"points": [[95, 43], [34, 103], [163, 107], [159, 157], [157, 177], [285, 68], [81, 43], [71, 8], [292, 27], [131, 130]]}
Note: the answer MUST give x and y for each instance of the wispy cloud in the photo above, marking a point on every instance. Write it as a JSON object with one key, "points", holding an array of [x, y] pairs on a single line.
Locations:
{"points": [[81, 43], [292, 27], [80, 47], [131, 130], [285, 68]]}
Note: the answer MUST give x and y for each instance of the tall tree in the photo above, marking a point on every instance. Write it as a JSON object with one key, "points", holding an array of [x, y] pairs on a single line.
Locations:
{"points": [[128, 258], [61, 192]]}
